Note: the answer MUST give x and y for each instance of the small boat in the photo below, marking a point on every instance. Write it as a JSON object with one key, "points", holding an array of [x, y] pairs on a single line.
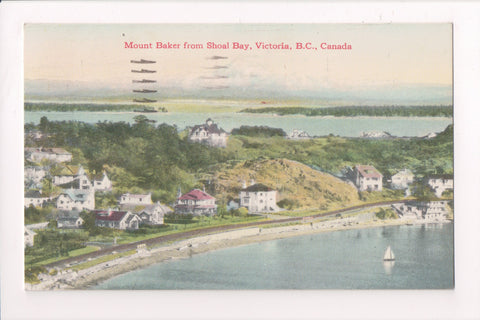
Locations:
{"points": [[388, 256]]}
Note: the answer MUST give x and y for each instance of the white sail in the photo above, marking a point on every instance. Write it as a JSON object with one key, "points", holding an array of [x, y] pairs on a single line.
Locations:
{"points": [[388, 256]]}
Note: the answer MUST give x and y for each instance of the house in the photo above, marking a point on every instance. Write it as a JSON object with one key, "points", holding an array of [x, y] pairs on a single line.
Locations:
{"points": [[440, 184], [298, 135], [258, 198], [69, 220], [124, 220], [74, 199], [195, 202], [35, 198], [402, 179], [52, 154], [209, 134], [153, 214], [367, 178], [28, 237], [34, 174], [430, 210], [135, 199], [78, 180], [102, 184]]}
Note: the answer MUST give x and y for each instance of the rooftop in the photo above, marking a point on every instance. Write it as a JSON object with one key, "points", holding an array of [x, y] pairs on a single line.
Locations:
{"points": [[367, 171], [196, 194]]}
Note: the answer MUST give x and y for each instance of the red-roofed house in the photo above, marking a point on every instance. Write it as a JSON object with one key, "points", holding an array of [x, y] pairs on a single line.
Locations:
{"points": [[367, 178], [124, 220], [196, 202]]}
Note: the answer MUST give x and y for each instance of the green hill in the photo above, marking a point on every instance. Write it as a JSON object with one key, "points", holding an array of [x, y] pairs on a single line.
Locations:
{"points": [[298, 186]]}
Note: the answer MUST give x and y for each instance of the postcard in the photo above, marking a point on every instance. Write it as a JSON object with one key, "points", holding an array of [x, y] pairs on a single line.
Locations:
{"points": [[238, 156]]}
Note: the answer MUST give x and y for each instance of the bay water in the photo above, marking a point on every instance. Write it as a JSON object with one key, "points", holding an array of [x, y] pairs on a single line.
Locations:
{"points": [[349, 259], [314, 126]]}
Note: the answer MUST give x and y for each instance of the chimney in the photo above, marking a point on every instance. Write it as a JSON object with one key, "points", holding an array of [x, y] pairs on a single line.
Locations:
{"points": [[252, 182], [244, 184]]}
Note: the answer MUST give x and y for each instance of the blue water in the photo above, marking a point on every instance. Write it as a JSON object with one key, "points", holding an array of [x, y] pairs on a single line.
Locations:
{"points": [[351, 259], [314, 126]]}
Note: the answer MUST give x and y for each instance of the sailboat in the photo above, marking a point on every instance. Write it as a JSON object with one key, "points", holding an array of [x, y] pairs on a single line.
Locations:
{"points": [[388, 256]]}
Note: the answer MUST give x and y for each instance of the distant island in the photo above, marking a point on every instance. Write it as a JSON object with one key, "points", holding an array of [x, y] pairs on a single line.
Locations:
{"points": [[352, 111], [68, 107]]}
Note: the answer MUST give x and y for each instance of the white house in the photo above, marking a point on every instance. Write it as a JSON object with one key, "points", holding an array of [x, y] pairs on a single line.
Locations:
{"points": [[135, 199], [298, 135], [440, 184], [367, 178], [34, 174], [69, 220], [124, 220], [430, 210], [195, 202], [79, 180], [35, 198], [102, 184], [52, 154], [402, 179], [209, 133], [76, 200], [153, 213], [259, 198], [28, 237]]}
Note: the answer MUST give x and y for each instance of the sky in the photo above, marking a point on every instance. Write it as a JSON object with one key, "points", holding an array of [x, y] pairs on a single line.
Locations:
{"points": [[404, 62]]}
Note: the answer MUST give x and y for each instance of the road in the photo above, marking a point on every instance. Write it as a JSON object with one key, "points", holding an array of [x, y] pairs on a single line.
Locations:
{"points": [[205, 231]]}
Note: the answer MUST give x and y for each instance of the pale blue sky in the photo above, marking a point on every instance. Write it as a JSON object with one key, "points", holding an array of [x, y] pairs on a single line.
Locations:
{"points": [[382, 55]]}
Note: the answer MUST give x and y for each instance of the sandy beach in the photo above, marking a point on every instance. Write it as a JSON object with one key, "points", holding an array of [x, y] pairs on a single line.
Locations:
{"points": [[68, 279]]}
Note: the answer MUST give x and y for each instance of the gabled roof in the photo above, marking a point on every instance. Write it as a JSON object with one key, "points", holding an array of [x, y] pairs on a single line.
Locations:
{"points": [[212, 128], [367, 171], [196, 194], [257, 188], [76, 195], [106, 215], [34, 194]]}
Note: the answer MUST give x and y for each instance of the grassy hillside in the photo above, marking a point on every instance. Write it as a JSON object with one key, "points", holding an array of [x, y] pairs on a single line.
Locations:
{"points": [[298, 185]]}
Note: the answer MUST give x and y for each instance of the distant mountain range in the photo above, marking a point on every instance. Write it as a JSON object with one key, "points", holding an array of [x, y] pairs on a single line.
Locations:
{"points": [[397, 95]]}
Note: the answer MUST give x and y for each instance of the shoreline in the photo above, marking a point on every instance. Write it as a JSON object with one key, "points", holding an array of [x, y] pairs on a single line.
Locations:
{"points": [[89, 277]]}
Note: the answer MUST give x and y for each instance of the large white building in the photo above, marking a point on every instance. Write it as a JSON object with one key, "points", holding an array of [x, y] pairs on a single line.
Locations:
{"points": [[209, 134], [440, 184], [35, 198], [259, 198], [367, 178], [402, 179], [79, 200], [135, 199], [430, 210], [52, 154]]}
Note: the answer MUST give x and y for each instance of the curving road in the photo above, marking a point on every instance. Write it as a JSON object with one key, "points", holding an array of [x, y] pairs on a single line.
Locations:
{"points": [[205, 231]]}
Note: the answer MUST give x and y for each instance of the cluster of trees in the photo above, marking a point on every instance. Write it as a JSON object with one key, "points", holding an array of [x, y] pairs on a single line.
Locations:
{"points": [[258, 131], [143, 156], [67, 107], [371, 111], [51, 243]]}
